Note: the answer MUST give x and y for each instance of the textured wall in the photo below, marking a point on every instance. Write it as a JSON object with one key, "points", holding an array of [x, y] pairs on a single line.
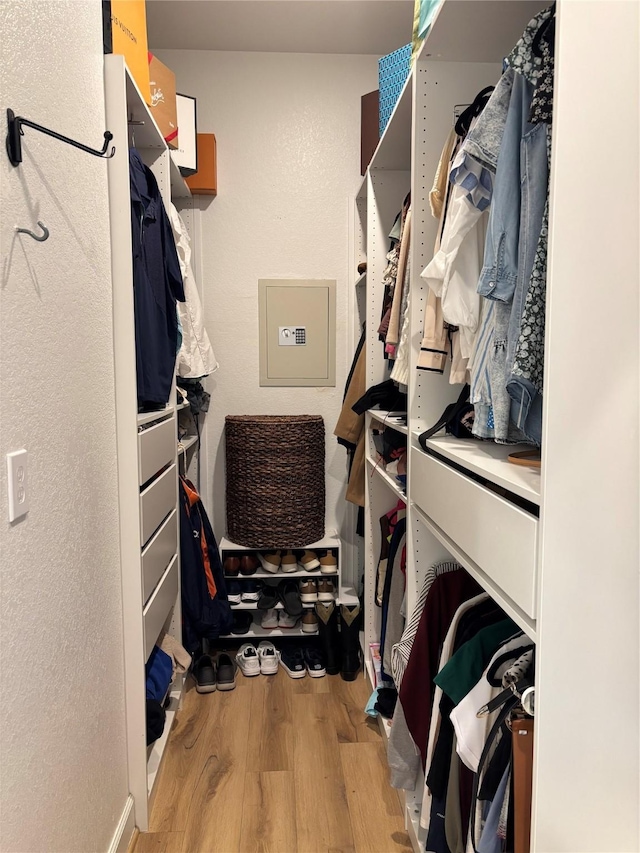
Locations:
{"points": [[288, 133], [63, 778]]}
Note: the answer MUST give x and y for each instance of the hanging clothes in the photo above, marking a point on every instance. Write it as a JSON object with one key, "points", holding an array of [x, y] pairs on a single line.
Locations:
{"points": [[349, 429], [195, 358], [206, 612], [157, 286]]}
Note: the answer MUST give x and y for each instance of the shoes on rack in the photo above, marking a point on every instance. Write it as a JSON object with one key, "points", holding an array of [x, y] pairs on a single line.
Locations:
{"points": [[269, 658], [326, 590], [242, 622], [350, 641], [234, 592], [226, 672], [249, 564], [308, 590], [309, 622], [268, 597], [270, 619], [314, 662], [248, 660], [329, 635], [285, 620], [270, 561], [289, 562], [292, 661], [309, 561], [204, 674], [290, 598], [328, 564], [231, 566], [251, 592]]}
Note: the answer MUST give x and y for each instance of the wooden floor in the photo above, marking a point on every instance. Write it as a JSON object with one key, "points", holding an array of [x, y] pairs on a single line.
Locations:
{"points": [[276, 766]]}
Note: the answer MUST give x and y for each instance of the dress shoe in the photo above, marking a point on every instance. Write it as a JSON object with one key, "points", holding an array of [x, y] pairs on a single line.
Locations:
{"points": [[231, 566], [249, 564]]}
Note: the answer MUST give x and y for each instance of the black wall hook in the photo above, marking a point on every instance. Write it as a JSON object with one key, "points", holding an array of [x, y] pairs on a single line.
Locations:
{"points": [[15, 132]]}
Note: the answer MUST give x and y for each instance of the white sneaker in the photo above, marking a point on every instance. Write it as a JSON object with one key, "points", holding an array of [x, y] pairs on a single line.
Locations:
{"points": [[270, 618], [269, 658], [248, 660], [286, 621]]}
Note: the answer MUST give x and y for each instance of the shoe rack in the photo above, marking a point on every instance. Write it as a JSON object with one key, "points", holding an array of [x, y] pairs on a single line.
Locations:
{"points": [[344, 594]]}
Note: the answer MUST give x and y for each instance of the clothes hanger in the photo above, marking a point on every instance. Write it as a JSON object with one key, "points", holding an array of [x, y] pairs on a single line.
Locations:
{"points": [[463, 123]]}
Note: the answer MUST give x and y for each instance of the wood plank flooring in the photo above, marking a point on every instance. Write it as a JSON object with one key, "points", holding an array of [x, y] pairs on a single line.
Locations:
{"points": [[277, 765]]}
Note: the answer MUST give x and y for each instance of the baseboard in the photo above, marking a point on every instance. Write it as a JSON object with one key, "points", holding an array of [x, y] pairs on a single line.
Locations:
{"points": [[125, 829]]}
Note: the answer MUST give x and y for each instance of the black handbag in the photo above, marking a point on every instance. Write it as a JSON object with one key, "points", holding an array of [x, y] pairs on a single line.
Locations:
{"points": [[457, 419]]}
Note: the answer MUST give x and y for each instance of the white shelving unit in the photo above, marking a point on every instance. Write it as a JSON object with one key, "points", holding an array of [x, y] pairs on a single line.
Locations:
{"points": [[535, 540], [345, 593], [147, 447]]}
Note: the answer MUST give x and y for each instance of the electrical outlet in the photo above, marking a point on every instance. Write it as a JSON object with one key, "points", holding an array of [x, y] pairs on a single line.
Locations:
{"points": [[17, 484]]}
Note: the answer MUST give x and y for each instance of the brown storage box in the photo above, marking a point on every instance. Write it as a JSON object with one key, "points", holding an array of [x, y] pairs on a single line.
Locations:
{"points": [[125, 25], [369, 128], [275, 480], [205, 180], [162, 87]]}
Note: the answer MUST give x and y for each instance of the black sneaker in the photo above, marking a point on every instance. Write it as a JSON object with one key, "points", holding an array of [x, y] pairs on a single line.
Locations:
{"points": [[204, 673], [292, 661], [226, 675], [314, 662], [290, 597], [268, 597], [242, 621]]}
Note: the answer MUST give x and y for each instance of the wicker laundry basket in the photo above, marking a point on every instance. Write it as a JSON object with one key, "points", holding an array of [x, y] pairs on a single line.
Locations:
{"points": [[275, 480]]}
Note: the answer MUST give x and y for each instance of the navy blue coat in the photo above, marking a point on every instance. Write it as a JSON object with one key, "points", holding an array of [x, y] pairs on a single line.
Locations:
{"points": [[157, 285], [206, 612]]}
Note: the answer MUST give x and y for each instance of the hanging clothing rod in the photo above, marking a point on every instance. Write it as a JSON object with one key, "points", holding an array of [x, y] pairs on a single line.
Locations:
{"points": [[15, 132]]}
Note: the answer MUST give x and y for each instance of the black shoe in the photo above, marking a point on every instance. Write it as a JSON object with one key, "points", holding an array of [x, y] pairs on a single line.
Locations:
{"points": [[350, 641], [314, 662], [292, 661], [269, 597], [226, 676], [251, 592], [242, 621], [290, 597], [204, 673], [234, 593], [329, 635]]}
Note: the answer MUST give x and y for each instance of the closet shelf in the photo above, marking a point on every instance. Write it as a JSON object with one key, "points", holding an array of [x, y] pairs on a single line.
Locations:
{"points": [[157, 749], [329, 541], [149, 417], [182, 406], [361, 280], [144, 131], [187, 444], [386, 478], [381, 417], [279, 576], [253, 605], [489, 460], [394, 149], [256, 630], [179, 188], [453, 35]]}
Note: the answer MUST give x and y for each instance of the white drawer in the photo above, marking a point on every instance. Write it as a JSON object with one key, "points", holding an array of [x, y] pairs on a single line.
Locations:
{"points": [[158, 554], [159, 606], [156, 502], [499, 537], [156, 448]]}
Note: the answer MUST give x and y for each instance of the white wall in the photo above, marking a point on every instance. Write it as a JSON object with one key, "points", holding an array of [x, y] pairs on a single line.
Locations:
{"points": [[63, 781], [288, 134]]}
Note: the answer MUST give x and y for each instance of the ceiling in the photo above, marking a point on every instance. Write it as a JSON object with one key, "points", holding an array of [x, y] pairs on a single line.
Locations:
{"points": [[281, 26]]}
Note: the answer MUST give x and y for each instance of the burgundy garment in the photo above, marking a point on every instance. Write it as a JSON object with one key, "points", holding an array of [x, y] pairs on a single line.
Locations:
{"points": [[446, 594]]}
